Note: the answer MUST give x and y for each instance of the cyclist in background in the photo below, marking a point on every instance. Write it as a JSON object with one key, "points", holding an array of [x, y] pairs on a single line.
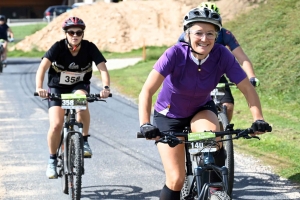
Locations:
{"points": [[70, 69], [189, 72], [226, 38], [4, 32]]}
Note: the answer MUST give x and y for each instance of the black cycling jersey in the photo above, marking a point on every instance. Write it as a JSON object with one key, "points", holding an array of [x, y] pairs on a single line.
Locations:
{"points": [[3, 31], [68, 70]]}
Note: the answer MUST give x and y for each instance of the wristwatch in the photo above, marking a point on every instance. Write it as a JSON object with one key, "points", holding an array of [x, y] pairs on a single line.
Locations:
{"points": [[106, 87]]}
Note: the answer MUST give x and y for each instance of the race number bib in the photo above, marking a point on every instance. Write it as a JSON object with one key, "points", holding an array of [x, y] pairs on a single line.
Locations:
{"points": [[70, 78], [73, 101]]}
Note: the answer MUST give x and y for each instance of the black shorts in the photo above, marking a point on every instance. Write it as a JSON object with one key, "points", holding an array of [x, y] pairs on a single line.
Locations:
{"points": [[78, 86], [166, 124], [227, 98]]}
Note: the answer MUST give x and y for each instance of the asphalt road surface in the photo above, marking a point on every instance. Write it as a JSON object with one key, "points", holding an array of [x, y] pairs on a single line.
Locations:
{"points": [[122, 166]]}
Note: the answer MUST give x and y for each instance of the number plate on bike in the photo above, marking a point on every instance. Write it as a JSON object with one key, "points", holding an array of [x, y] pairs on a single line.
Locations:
{"points": [[200, 136], [199, 142], [73, 101]]}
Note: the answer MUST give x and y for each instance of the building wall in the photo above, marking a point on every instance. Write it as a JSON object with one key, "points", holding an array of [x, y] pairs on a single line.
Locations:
{"points": [[15, 9]]}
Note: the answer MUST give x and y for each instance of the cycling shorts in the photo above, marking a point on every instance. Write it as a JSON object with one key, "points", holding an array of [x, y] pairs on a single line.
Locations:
{"points": [[166, 124], [79, 86], [227, 98]]}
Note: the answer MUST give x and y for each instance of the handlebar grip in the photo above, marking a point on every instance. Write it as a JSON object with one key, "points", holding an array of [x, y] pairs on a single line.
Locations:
{"points": [[35, 94], [98, 95], [269, 129], [139, 135]]}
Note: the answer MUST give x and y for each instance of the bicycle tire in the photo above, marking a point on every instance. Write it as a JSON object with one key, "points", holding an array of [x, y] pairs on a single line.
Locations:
{"points": [[64, 177], [228, 150], [1, 66], [220, 195], [188, 190], [75, 165]]}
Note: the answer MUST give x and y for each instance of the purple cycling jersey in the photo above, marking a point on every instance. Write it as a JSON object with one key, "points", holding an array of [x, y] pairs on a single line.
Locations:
{"points": [[185, 89]]}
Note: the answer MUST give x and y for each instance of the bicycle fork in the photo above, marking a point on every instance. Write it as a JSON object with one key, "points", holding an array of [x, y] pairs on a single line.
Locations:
{"points": [[199, 171]]}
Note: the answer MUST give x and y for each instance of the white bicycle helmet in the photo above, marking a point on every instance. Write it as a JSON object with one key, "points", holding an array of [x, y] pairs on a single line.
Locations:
{"points": [[202, 14]]}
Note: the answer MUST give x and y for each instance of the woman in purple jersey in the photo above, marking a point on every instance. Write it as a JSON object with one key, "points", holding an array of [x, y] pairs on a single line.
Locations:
{"points": [[226, 38], [189, 72]]}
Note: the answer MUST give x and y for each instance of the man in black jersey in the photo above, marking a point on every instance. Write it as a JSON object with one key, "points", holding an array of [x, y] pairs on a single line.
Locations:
{"points": [[69, 62], [4, 30]]}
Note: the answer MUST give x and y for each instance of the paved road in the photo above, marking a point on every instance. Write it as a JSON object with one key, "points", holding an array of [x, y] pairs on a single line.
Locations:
{"points": [[122, 167]]}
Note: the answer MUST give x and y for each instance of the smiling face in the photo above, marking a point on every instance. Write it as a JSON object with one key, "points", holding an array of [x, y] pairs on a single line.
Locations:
{"points": [[74, 35], [202, 37]]}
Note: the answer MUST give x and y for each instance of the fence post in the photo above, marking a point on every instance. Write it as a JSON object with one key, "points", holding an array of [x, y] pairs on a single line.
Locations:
{"points": [[144, 50]]}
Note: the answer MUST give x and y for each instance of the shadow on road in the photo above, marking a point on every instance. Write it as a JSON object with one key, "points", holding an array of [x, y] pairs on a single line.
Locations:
{"points": [[117, 192], [261, 186]]}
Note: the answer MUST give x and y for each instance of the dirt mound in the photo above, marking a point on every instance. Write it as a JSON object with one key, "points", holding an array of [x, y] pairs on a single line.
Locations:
{"points": [[121, 27]]}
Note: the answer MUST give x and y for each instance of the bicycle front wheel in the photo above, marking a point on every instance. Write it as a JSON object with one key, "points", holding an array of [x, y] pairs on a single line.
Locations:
{"points": [[75, 166], [228, 151], [1, 66]]}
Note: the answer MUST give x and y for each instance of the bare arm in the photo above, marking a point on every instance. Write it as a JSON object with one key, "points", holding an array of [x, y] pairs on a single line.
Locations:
{"points": [[244, 61], [105, 78], [151, 85], [252, 98], [11, 34], [40, 75]]}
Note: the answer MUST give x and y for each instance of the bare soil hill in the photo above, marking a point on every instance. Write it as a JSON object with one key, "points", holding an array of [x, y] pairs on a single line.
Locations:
{"points": [[121, 27]]}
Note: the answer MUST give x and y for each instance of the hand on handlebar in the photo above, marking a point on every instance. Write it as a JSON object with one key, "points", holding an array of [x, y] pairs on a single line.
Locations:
{"points": [[42, 92], [254, 81], [150, 131], [104, 93], [260, 127]]}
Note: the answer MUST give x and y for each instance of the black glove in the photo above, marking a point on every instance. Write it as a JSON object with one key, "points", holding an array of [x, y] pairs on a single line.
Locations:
{"points": [[254, 81], [149, 131], [261, 126]]}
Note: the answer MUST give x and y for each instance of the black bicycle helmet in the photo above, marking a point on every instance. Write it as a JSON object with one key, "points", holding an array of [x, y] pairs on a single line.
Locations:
{"points": [[202, 14], [73, 22], [2, 18]]}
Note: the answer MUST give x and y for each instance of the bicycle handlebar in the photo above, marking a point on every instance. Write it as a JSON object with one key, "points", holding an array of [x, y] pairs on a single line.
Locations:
{"points": [[90, 97], [172, 140]]}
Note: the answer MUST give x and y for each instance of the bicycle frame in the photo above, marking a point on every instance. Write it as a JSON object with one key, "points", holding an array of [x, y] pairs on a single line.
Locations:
{"points": [[203, 188]]}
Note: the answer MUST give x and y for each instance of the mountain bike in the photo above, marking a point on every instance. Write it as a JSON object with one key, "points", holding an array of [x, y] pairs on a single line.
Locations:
{"points": [[196, 144], [217, 94], [70, 155]]}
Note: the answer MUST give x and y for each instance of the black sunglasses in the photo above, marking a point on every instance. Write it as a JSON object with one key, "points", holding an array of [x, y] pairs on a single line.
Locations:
{"points": [[72, 33]]}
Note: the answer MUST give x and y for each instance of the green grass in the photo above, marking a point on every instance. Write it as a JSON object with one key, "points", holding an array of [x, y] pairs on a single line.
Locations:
{"points": [[151, 53], [20, 32]]}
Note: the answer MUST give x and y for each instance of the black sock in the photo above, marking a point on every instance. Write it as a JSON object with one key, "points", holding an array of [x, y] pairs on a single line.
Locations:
{"points": [[85, 138], [167, 194], [53, 156]]}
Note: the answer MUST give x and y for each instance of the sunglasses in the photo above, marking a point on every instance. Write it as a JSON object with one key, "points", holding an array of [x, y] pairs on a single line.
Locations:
{"points": [[77, 33]]}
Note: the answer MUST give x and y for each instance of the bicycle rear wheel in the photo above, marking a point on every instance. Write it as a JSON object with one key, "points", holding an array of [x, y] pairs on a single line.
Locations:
{"points": [[228, 151], [75, 166]]}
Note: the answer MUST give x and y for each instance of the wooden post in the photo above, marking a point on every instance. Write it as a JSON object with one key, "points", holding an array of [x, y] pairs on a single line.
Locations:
{"points": [[144, 50]]}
